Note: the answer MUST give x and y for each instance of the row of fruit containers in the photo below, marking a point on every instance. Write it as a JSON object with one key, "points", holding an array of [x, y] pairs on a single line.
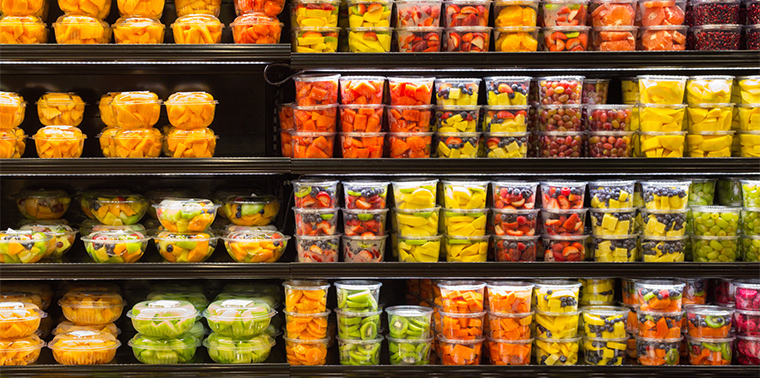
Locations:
{"points": [[184, 228], [451, 322]]}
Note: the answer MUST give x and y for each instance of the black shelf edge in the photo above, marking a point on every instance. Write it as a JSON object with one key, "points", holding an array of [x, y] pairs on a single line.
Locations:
{"points": [[63, 271], [147, 166], [529, 166], [670, 60], [496, 270], [148, 371], [159, 53], [531, 371]]}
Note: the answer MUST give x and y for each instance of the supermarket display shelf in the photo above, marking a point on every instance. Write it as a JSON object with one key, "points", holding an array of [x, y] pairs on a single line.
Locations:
{"points": [[390, 270], [273, 370], [603, 61], [148, 166], [529, 166], [531, 371], [208, 270], [496, 270], [147, 54]]}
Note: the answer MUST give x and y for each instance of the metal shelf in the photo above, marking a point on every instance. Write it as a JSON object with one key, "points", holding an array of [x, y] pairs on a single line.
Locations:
{"points": [[268, 370], [35, 167], [640, 61]]}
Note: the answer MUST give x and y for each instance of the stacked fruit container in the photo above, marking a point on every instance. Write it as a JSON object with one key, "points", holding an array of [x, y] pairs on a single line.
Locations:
{"points": [[660, 314], [564, 24], [163, 331], [515, 24], [19, 324], [505, 119], [416, 220], [716, 24], [315, 25], [306, 317], [197, 22], [83, 21], [509, 322], [315, 116], [613, 221], [139, 22], [257, 21], [661, 116], [23, 22], [130, 129], [747, 317], [710, 113], [12, 137], [460, 329], [60, 114], [418, 25], [239, 330], [409, 117], [559, 116], [316, 216], [361, 117], [184, 235], [515, 220], [556, 325], [563, 217], [364, 219], [464, 221], [456, 118], [410, 338], [746, 96], [358, 316], [613, 25], [466, 26]]}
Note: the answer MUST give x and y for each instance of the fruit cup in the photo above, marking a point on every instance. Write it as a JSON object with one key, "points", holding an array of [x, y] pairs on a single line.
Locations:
{"points": [[410, 145], [746, 322], [84, 348], [564, 248], [514, 223], [316, 222], [185, 248], [509, 118], [306, 352], [506, 145], [61, 236], [457, 92], [369, 14], [597, 291], [561, 325], [409, 351], [37, 8], [121, 208], [359, 352], [610, 351], [610, 144], [312, 145], [78, 29], [710, 351], [317, 118], [747, 350], [459, 352], [21, 30], [710, 322], [515, 248], [665, 195], [238, 318], [562, 118], [565, 38], [694, 293], [467, 38], [250, 210], [454, 118], [317, 248], [663, 38], [22, 351], [136, 143], [663, 248], [416, 222], [19, 319], [658, 325], [461, 297], [287, 123], [562, 195], [514, 13], [595, 92], [568, 222], [747, 294], [507, 90], [365, 195], [118, 246], [186, 215], [611, 194], [466, 13], [91, 308], [191, 110], [702, 192], [362, 145], [557, 351], [314, 13], [306, 326], [709, 89], [713, 12], [314, 40], [358, 295], [42, 204], [409, 323], [515, 194], [59, 109], [197, 29], [12, 110], [668, 223], [362, 90], [659, 295], [457, 145], [614, 38], [750, 192], [198, 143], [418, 13], [409, 119], [662, 144], [710, 144], [463, 326], [305, 297], [749, 116], [256, 246], [564, 12], [750, 221], [163, 318], [369, 39], [363, 249], [516, 38], [560, 90], [613, 13], [138, 30], [509, 297], [604, 322], [662, 12], [661, 118], [96, 9], [364, 223], [157, 350], [315, 193], [418, 248], [661, 90], [465, 222], [615, 248], [556, 296], [411, 90], [419, 39], [613, 222], [657, 352], [466, 248], [715, 220], [715, 248]]}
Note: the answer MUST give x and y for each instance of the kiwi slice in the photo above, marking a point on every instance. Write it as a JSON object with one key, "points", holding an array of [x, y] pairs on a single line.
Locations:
{"points": [[415, 241], [368, 331], [672, 356], [398, 326], [303, 192], [342, 299]]}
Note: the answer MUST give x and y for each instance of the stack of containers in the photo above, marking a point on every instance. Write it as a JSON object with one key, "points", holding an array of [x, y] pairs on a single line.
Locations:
{"points": [[416, 220], [197, 21], [60, 113], [369, 24], [710, 116], [604, 336], [162, 327], [314, 116], [661, 116], [614, 237], [556, 325], [659, 321], [135, 114], [709, 339], [608, 126], [509, 322], [306, 314], [535, 136], [314, 25], [460, 340], [515, 220], [29, 17], [37, 293], [361, 116], [12, 137], [456, 118], [464, 221], [746, 320], [748, 103], [358, 315], [82, 22], [184, 236], [409, 117], [90, 311], [466, 25], [563, 217], [559, 114], [664, 221], [701, 193], [662, 25], [613, 25], [505, 119], [287, 124], [564, 24], [19, 324], [257, 24], [418, 25], [751, 219], [190, 114], [631, 302], [716, 234], [107, 143], [409, 336], [364, 220], [630, 93], [515, 22], [316, 215], [43, 210], [716, 24], [597, 291], [139, 22], [239, 328], [751, 24]]}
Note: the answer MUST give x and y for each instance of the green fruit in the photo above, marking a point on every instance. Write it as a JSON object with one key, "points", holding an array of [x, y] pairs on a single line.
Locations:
{"points": [[186, 244], [134, 247], [303, 192], [250, 209], [326, 216], [368, 331], [671, 358], [365, 216], [353, 193], [398, 327], [714, 321], [191, 214]]}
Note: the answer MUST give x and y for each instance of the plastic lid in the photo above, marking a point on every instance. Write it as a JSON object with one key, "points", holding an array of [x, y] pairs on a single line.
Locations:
{"points": [[317, 77], [186, 204], [513, 315], [10, 235], [716, 209], [509, 286], [565, 211], [49, 229], [67, 19], [91, 299], [556, 284], [656, 340], [747, 283], [42, 193], [67, 327], [442, 339], [376, 340], [358, 285], [709, 310], [137, 22], [409, 311], [161, 309], [156, 343], [355, 314], [252, 199], [11, 98], [197, 299], [87, 341], [59, 132], [238, 309], [115, 236], [558, 314], [224, 343], [183, 98], [19, 311], [18, 21], [661, 284], [460, 285], [306, 285], [197, 19], [605, 310], [24, 345]]}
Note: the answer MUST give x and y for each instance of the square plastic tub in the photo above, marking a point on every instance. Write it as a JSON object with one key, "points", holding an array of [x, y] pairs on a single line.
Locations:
{"points": [[661, 117], [614, 38], [419, 39], [425, 13], [701, 90], [663, 38], [662, 12], [465, 194], [410, 145], [362, 90], [314, 13], [369, 39], [315, 39], [612, 12], [317, 248], [706, 118], [615, 248], [560, 90], [369, 13], [560, 118], [467, 38], [595, 91], [714, 12], [564, 248], [564, 12], [411, 90], [512, 13], [467, 13], [565, 38]]}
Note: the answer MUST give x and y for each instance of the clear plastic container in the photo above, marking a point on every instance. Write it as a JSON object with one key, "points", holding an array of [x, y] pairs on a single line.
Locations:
{"points": [[238, 318], [369, 39], [565, 38], [306, 326], [715, 248], [205, 7], [562, 118], [19, 319], [659, 325], [21, 30], [186, 214], [715, 220], [406, 323], [198, 143], [664, 248], [138, 30], [358, 325], [364, 249], [613, 12], [662, 12], [562, 195], [609, 117], [77, 29], [227, 350], [665, 195], [59, 142], [459, 352], [99, 10], [21, 351], [604, 322], [314, 39], [662, 90], [658, 352], [659, 295], [615, 248], [663, 38], [60, 109], [556, 296], [418, 248], [605, 352], [306, 352], [669, 223], [709, 89], [418, 13], [297, 301], [191, 110], [597, 291], [358, 295], [115, 246], [163, 318], [614, 38], [564, 12], [197, 28], [557, 351], [91, 308], [711, 322], [84, 348], [419, 39], [456, 38], [515, 13], [747, 294], [156, 350], [311, 13], [661, 118], [409, 351], [716, 12], [318, 248], [559, 325], [566, 222], [467, 13]]}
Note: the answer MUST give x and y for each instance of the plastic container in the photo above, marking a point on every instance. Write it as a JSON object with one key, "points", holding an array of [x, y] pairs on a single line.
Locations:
{"points": [[364, 249], [198, 143], [614, 38], [566, 222], [663, 248], [59, 142], [306, 352], [715, 220], [139, 30], [314, 39], [612, 13], [311, 303], [565, 38], [19, 319], [21, 30], [665, 195], [358, 295], [42, 204], [515, 13], [419, 39], [609, 117], [197, 29], [658, 325], [466, 13], [84, 348], [467, 38], [597, 351], [12, 143], [664, 223], [418, 13], [459, 352], [717, 37], [562, 118], [34, 8], [365, 195], [702, 192], [227, 350], [317, 248], [401, 90], [311, 326], [746, 350], [185, 214], [316, 222], [604, 322], [369, 13], [563, 297], [362, 145], [191, 110], [713, 12], [116, 246], [369, 39], [709, 89], [709, 322], [597, 291], [561, 144], [135, 143], [408, 323], [652, 295], [91, 308], [163, 318], [656, 352], [563, 195], [559, 325], [663, 38], [206, 7], [358, 325], [359, 352], [716, 248], [564, 12], [615, 248], [418, 248], [150, 350], [79, 29], [21, 351], [238, 318], [710, 351], [557, 351], [747, 294], [314, 13], [409, 351], [661, 118]]}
